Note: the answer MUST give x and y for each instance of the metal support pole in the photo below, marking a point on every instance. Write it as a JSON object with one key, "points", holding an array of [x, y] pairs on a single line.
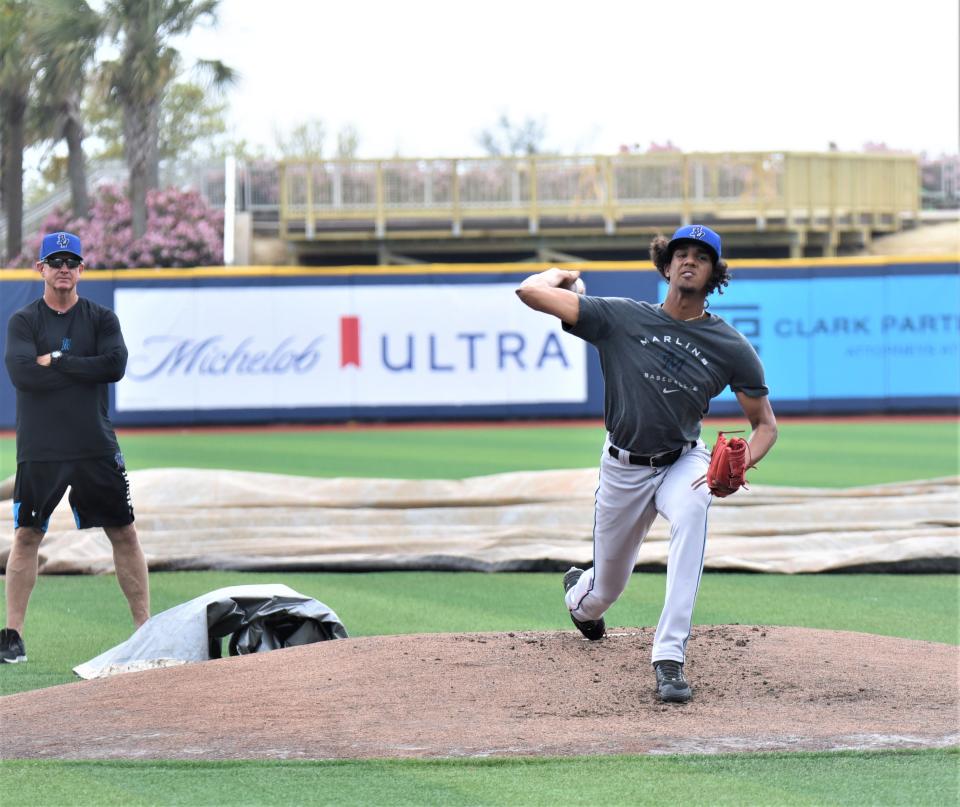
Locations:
{"points": [[761, 190], [381, 215], [457, 226], [311, 223], [609, 198], [284, 193], [534, 220], [229, 209]]}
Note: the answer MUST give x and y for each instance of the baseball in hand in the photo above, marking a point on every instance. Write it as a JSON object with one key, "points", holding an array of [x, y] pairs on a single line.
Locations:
{"points": [[577, 286]]}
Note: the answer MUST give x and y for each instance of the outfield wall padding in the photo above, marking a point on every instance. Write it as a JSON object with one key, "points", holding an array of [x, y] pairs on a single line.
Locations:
{"points": [[525, 521], [294, 344]]}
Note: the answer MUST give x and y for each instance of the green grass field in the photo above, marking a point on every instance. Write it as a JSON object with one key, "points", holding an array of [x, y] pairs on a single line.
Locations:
{"points": [[836, 454], [811, 780], [71, 619]]}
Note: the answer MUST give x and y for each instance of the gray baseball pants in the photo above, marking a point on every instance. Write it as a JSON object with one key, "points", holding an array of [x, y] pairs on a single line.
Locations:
{"points": [[628, 500]]}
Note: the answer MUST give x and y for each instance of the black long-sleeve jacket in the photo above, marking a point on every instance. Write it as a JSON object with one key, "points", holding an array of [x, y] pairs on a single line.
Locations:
{"points": [[62, 410]]}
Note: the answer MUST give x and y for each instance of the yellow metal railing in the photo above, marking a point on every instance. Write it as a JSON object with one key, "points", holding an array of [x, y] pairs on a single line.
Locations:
{"points": [[439, 196]]}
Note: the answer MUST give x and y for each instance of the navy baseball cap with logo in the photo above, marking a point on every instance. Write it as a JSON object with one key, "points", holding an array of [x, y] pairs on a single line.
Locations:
{"points": [[60, 242], [697, 232]]}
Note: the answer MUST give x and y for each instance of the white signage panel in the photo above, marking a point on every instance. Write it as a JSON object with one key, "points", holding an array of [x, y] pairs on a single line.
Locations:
{"points": [[311, 346]]}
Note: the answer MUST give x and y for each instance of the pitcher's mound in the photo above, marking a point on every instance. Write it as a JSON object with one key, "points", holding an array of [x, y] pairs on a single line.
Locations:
{"points": [[436, 695]]}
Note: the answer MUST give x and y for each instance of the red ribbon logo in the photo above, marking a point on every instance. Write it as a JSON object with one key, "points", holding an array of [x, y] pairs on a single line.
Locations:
{"points": [[349, 341]]}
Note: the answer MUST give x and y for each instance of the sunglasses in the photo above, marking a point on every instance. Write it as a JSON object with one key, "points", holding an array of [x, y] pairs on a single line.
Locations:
{"points": [[56, 263]]}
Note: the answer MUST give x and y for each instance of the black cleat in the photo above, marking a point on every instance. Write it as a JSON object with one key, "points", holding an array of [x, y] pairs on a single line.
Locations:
{"points": [[593, 629], [12, 650], [672, 687]]}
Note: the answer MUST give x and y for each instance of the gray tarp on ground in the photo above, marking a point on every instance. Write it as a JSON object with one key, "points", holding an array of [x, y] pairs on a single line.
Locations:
{"points": [[255, 619], [203, 519]]}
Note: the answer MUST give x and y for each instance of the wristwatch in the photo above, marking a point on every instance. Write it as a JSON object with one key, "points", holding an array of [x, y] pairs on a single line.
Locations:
{"points": [[55, 356]]}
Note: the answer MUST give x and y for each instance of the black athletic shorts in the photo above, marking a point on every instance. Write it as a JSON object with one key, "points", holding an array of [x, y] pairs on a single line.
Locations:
{"points": [[99, 492]]}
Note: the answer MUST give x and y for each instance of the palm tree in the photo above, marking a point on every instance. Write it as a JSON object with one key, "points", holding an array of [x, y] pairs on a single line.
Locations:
{"points": [[67, 34], [17, 63], [138, 79]]}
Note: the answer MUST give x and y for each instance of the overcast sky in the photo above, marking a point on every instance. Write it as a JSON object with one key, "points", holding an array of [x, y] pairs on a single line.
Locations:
{"points": [[425, 77]]}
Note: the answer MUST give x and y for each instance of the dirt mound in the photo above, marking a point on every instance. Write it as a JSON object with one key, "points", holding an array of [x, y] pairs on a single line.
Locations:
{"points": [[438, 695]]}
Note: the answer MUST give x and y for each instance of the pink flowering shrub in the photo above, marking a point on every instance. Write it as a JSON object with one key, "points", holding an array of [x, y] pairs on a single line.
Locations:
{"points": [[182, 230]]}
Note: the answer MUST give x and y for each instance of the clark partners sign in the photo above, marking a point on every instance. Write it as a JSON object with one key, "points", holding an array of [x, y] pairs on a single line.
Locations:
{"points": [[310, 346], [884, 338]]}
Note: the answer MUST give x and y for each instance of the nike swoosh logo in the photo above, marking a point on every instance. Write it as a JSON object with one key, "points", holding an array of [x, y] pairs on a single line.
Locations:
{"points": [[668, 391]]}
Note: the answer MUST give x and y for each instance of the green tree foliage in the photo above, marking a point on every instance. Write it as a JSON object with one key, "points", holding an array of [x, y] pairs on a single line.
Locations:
{"points": [[308, 141], [140, 77], [104, 125], [192, 123], [18, 62], [192, 118], [67, 33], [348, 141], [507, 138], [305, 141]]}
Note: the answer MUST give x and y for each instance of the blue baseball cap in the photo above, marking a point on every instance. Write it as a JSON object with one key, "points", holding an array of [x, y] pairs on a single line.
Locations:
{"points": [[697, 232], [60, 242]]}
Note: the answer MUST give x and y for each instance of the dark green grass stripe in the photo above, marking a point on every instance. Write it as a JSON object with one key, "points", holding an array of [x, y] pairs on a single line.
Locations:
{"points": [[836, 454]]}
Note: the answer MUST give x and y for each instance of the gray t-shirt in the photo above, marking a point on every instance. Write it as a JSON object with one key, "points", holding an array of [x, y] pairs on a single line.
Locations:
{"points": [[659, 373]]}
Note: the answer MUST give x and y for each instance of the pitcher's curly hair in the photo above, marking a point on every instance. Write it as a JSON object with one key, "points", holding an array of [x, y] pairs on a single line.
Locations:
{"points": [[661, 255]]}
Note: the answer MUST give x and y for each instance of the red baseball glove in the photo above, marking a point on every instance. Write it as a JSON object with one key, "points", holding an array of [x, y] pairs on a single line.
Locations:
{"points": [[728, 466]]}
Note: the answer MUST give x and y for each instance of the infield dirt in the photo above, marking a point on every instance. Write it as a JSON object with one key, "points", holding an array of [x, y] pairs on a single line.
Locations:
{"points": [[533, 693]]}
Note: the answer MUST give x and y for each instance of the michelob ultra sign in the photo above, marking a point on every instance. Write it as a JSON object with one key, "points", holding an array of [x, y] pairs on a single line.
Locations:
{"points": [[310, 346]]}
